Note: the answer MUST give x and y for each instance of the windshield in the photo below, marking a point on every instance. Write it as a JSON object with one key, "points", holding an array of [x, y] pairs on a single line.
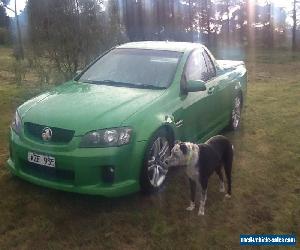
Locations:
{"points": [[134, 67]]}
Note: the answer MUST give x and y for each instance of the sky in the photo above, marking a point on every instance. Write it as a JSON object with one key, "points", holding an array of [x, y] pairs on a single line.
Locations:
{"points": [[21, 4]]}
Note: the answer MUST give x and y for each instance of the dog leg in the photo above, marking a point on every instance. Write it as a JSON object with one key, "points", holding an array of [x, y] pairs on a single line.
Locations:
{"points": [[193, 186], [202, 202], [203, 194], [228, 167], [222, 185]]}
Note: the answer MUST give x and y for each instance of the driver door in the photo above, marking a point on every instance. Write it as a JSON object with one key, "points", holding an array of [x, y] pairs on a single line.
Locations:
{"points": [[197, 107]]}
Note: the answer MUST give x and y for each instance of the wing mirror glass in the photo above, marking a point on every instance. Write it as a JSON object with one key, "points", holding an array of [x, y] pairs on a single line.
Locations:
{"points": [[194, 86]]}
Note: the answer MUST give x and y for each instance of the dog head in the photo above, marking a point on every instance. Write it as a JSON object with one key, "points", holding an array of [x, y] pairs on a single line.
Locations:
{"points": [[180, 154]]}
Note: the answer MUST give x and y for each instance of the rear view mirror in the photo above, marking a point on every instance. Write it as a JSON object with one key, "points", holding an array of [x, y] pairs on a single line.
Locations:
{"points": [[195, 85]]}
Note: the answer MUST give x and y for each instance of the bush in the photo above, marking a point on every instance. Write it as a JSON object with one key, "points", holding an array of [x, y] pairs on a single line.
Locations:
{"points": [[19, 69], [4, 36]]}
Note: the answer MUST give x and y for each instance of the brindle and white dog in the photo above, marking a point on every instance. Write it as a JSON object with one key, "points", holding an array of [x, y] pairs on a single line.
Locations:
{"points": [[201, 160]]}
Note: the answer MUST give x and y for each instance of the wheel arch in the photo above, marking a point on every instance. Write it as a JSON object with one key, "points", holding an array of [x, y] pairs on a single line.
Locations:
{"points": [[170, 133], [240, 93], [144, 182]]}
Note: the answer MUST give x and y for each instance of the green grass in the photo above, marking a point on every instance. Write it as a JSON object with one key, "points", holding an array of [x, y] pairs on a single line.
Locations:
{"points": [[266, 182]]}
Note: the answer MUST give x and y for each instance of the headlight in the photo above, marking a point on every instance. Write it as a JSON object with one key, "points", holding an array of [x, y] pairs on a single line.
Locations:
{"points": [[106, 138], [16, 123]]}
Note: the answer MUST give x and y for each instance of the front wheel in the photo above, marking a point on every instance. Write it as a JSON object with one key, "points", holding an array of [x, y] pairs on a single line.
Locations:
{"points": [[236, 113], [154, 169]]}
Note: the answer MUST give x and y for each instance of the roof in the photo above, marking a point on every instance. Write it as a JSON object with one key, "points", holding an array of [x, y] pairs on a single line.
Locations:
{"points": [[161, 45]]}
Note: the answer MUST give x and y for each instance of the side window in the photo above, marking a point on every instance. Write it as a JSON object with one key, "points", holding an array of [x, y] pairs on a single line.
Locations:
{"points": [[209, 64], [196, 67]]}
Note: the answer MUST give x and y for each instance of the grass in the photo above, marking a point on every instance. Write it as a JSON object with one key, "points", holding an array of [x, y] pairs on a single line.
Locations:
{"points": [[266, 182]]}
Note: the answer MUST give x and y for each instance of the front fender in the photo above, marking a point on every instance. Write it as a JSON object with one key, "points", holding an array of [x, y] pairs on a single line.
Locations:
{"points": [[241, 86], [145, 128]]}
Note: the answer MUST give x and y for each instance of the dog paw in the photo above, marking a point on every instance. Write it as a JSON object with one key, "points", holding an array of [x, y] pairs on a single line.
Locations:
{"points": [[227, 196], [201, 212], [191, 207]]}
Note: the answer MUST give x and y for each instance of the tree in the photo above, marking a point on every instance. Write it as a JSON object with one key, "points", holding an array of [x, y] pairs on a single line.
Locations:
{"points": [[205, 17], [4, 24], [270, 26], [70, 33], [20, 43], [294, 30], [20, 47]]}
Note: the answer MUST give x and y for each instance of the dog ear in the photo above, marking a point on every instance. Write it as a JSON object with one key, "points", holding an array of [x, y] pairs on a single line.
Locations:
{"points": [[183, 148], [177, 142]]}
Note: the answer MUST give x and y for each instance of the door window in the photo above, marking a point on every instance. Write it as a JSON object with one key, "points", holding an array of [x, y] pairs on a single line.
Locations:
{"points": [[196, 67], [209, 64]]}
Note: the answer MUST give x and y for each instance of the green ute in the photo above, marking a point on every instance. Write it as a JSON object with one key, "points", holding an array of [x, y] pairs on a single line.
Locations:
{"points": [[108, 131]]}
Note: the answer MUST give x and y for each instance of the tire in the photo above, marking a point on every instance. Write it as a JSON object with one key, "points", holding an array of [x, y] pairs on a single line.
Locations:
{"points": [[154, 172], [236, 112]]}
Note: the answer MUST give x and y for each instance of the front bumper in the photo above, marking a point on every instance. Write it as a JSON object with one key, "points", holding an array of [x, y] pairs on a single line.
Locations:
{"points": [[79, 170]]}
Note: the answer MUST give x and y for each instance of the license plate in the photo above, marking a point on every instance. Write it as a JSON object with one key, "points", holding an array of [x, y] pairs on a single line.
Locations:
{"points": [[43, 160]]}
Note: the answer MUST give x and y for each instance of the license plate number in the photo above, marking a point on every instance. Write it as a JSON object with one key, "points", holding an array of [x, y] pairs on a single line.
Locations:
{"points": [[43, 160]]}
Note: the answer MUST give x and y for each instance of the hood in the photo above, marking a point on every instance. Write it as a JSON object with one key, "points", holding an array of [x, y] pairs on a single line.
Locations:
{"points": [[85, 107]]}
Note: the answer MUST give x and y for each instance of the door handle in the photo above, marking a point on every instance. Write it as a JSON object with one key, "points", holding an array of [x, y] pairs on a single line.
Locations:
{"points": [[210, 90]]}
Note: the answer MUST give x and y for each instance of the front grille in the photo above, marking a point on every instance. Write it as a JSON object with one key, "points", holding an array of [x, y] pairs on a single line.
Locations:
{"points": [[47, 173], [59, 135]]}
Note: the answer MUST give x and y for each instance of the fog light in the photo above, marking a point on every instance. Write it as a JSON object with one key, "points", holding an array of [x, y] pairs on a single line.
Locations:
{"points": [[108, 174]]}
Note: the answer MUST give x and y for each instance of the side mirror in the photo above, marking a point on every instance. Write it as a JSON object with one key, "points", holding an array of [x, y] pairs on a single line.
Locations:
{"points": [[194, 86]]}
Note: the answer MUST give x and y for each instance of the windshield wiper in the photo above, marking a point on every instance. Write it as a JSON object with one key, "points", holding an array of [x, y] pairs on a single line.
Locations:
{"points": [[149, 86], [121, 84], [108, 82]]}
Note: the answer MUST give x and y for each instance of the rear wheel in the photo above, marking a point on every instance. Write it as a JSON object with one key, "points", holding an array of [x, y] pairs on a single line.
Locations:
{"points": [[236, 113], [154, 169]]}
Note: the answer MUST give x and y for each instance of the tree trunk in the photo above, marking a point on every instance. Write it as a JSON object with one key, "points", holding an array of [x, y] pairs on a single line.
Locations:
{"points": [[190, 21], [250, 21], [228, 22], [208, 6], [20, 43], [158, 16], [140, 17], [173, 20], [294, 45]]}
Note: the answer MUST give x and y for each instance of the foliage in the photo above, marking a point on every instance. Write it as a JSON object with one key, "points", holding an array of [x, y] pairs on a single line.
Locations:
{"points": [[70, 33], [62, 36], [4, 24], [4, 36], [213, 22], [19, 69]]}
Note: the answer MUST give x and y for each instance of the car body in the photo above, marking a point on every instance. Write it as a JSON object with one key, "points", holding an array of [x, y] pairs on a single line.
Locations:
{"points": [[109, 138]]}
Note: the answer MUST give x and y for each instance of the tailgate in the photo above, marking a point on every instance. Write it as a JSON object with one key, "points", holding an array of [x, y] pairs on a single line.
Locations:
{"points": [[229, 64]]}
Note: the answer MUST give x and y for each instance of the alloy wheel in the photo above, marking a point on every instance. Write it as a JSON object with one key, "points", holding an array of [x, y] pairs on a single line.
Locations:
{"points": [[157, 168], [236, 112]]}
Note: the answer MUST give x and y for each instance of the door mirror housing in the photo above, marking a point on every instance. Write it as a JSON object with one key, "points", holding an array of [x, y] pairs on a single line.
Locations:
{"points": [[195, 85]]}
